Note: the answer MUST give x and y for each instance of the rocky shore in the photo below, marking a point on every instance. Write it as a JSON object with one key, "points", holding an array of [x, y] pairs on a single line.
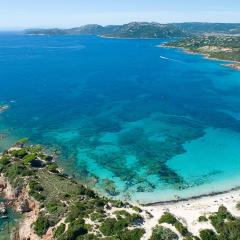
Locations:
{"points": [[235, 66], [3, 108], [23, 204], [53, 205]]}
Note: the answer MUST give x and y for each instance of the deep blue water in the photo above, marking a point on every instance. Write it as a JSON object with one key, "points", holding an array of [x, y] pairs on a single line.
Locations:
{"points": [[127, 117]]}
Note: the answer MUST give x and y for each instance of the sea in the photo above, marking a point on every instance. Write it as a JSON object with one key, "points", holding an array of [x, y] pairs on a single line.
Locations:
{"points": [[129, 118]]}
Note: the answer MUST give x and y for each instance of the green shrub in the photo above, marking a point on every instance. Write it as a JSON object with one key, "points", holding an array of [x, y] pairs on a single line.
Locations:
{"points": [[52, 167], [208, 234], [182, 230], [75, 230], [35, 186], [168, 218], [27, 159], [41, 225], [161, 233], [59, 230], [4, 160], [218, 218], [137, 209], [19, 153], [238, 205], [230, 230], [52, 206], [22, 140], [37, 196], [76, 211], [96, 216], [134, 234], [202, 219], [17, 169], [111, 226]]}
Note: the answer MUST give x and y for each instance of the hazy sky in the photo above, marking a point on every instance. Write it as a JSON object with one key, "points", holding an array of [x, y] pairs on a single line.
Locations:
{"points": [[16, 14]]}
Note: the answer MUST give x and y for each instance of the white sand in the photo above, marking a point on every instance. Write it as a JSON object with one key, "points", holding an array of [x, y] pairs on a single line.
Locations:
{"points": [[189, 211]]}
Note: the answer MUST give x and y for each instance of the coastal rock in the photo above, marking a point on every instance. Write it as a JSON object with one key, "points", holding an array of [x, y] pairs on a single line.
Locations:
{"points": [[2, 186], [24, 206], [3, 209]]}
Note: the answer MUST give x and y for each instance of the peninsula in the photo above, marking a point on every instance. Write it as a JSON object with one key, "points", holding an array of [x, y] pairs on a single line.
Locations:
{"points": [[214, 47]]}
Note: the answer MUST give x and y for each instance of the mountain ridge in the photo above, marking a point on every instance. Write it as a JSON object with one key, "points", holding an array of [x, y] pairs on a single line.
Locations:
{"points": [[144, 30]]}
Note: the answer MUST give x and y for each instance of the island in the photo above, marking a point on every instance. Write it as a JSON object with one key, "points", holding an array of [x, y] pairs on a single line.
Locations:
{"points": [[221, 47]]}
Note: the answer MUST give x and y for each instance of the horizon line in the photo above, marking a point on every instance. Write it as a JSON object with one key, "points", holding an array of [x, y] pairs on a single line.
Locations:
{"points": [[19, 29]]}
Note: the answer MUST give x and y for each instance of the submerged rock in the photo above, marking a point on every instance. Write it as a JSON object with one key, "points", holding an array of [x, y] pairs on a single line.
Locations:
{"points": [[3, 209]]}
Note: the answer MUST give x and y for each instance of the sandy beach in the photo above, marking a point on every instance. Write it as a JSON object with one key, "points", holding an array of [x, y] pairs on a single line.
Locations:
{"points": [[188, 211]]}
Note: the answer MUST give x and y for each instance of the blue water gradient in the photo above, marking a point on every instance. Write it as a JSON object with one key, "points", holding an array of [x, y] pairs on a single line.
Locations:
{"points": [[133, 120]]}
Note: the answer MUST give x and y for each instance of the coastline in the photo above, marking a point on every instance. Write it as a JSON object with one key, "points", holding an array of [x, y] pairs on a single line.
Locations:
{"points": [[231, 64], [193, 198], [186, 210], [189, 210], [23, 229]]}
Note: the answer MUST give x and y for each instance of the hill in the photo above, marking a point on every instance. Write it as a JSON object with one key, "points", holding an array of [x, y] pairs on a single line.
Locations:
{"points": [[207, 28], [130, 30], [145, 30], [218, 47]]}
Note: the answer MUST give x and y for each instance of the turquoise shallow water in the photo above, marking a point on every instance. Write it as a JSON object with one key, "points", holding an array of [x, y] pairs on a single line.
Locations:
{"points": [[6, 224], [130, 119]]}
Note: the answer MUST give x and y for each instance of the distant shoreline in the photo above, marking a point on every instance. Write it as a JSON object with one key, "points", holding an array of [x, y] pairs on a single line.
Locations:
{"points": [[232, 64]]}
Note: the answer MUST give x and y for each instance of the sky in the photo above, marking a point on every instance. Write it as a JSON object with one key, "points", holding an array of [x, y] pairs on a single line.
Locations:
{"points": [[20, 14]]}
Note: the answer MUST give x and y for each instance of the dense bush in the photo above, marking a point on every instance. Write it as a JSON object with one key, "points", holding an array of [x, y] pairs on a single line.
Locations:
{"points": [[230, 231], [16, 170], [208, 234], [59, 230], [161, 233], [75, 229], [76, 211], [41, 225], [111, 226], [35, 186], [202, 219], [52, 206], [52, 167], [19, 153], [37, 196], [219, 218], [4, 160], [134, 234], [27, 159], [182, 230], [168, 218]]}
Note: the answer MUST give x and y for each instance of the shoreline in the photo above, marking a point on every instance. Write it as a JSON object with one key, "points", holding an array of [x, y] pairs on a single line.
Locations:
{"points": [[182, 200], [190, 210], [187, 211], [231, 64], [22, 229]]}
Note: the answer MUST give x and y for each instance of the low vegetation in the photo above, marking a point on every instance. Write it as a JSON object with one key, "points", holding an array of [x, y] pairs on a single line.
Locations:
{"points": [[160, 232], [170, 219], [219, 46], [70, 209], [75, 212]]}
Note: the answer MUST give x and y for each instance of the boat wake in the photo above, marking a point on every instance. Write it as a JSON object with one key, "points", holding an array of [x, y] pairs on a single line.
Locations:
{"points": [[171, 59]]}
